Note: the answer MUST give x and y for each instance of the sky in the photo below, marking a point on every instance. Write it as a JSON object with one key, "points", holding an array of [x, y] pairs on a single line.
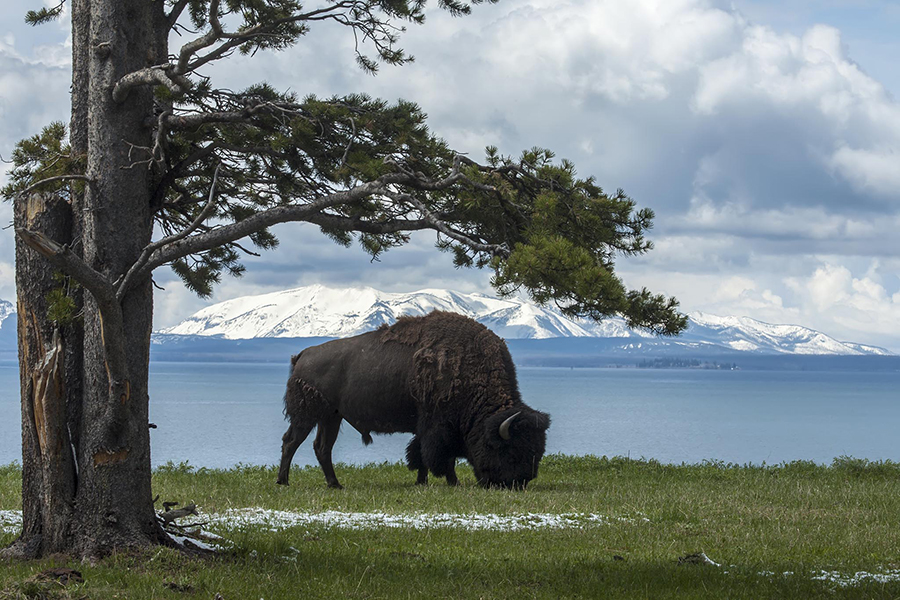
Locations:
{"points": [[764, 134]]}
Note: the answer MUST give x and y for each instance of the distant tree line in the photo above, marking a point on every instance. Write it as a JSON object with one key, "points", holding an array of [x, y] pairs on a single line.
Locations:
{"points": [[683, 363]]}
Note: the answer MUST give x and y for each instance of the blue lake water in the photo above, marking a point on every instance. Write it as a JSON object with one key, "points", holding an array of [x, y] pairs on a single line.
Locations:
{"points": [[218, 415]]}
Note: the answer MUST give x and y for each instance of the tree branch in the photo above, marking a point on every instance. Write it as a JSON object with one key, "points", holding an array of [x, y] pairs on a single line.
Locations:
{"points": [[129, 278], [191, 121], [183, 244], [439, 225], [363, 226], [174, 76], [194, 46], [176, 11], [111, 319], [33, 186], [70, 263], [155, 75], [173, 173], [185, 65], [235, 231]]}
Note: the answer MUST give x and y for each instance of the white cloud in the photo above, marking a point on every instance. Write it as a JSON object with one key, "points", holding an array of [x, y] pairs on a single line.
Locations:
{"points": [[811, 79], [856, 305], [788, 71], [854, 300], [622, 51], [875, 169], [765, 154], [793, 222], [827, 287]]}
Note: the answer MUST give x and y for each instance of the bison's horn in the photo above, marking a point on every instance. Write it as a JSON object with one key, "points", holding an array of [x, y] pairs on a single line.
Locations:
{"points": [[504, 426]]}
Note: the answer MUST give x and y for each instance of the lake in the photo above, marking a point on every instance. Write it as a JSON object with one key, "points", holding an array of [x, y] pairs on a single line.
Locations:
{"points": [[219, 415]]}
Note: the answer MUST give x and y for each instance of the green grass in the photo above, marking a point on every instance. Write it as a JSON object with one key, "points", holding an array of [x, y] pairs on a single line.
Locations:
{"points": [[799, 518]]}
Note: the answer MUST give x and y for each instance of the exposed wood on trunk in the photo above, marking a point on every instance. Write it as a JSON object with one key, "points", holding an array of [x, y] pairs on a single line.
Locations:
{"points": [[106, 457], [47, 396], [49, 470]]}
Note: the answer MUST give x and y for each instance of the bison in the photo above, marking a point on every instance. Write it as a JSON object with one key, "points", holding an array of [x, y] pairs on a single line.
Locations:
{"points": [[444, 377]]}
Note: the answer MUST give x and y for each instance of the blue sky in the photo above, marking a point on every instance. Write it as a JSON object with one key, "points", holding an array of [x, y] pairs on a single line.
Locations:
{"points": [[765, 135]]}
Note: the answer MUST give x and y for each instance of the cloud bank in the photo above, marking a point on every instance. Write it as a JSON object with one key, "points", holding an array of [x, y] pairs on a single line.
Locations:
{"points": [[769, 156]]}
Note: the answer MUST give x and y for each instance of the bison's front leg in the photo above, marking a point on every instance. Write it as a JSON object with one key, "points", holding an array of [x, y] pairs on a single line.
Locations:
{"points": [[451, 474], [437, 453], [325, 438], [292, 439]]}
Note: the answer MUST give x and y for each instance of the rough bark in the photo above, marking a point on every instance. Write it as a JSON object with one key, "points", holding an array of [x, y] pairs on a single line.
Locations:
{"points": [[49, 474], [86, 446], [79, 147], [115, 507]]}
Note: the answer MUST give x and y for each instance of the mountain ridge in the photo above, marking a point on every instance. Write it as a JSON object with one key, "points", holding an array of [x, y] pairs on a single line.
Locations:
{"points": [[322, 311]]}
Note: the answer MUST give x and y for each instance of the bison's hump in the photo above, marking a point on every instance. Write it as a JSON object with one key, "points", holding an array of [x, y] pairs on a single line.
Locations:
{"points": [[437, 328]]}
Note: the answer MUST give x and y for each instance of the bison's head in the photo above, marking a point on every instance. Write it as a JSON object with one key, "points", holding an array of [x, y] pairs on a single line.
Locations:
{"points": [[510, 447]]}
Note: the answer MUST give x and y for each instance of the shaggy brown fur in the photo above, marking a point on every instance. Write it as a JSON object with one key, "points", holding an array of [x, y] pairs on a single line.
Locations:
{"points": [[457, 357], [445, 377]]}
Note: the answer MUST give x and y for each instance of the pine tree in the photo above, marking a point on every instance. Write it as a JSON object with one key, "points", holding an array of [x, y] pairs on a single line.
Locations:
{"points": [[152, 142]]}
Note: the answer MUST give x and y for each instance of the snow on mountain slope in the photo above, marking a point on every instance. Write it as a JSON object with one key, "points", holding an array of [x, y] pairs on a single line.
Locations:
{"points": [[6, 309], [750, 335], [320, 311]]}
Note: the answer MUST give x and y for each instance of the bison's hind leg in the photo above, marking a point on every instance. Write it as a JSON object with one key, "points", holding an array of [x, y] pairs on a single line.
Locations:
{"points": [[414, 460], [292, 439], [325, 438]]}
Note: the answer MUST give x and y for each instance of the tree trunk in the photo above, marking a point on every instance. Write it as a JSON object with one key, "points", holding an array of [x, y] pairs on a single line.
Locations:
{"points": [[114, 507], [49, 474], [86, 468]]}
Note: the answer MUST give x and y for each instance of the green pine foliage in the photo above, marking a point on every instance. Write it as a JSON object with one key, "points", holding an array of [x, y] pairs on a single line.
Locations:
{"points": [[62, 308], [540, 227], [44, 14], [40, 157]]}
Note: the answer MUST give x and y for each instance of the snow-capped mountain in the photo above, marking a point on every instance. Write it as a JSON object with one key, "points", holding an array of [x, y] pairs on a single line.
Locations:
{"points": [[7, 330], [6, 309], [746, 334], [320, 311]]}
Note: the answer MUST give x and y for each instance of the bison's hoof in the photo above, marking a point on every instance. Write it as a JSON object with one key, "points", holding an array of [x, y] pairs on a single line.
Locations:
{"points": [[335, 485], [281, 482]]}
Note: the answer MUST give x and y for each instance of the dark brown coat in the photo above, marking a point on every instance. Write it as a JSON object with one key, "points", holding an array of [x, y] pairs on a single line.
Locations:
{"points": [[444, 377]]}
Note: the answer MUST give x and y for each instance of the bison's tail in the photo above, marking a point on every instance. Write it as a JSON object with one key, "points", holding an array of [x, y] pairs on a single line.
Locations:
{"points": [[366, 438], [414, 458], [292, 391], [289, 396]]}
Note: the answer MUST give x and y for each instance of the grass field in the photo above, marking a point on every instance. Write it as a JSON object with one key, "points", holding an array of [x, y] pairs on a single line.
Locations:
{"points": [[790, 531]]}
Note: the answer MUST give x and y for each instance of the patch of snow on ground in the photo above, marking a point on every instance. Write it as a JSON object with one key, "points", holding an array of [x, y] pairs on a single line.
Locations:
{"points": [[844, 580], [10, 521], [276, 520]]}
